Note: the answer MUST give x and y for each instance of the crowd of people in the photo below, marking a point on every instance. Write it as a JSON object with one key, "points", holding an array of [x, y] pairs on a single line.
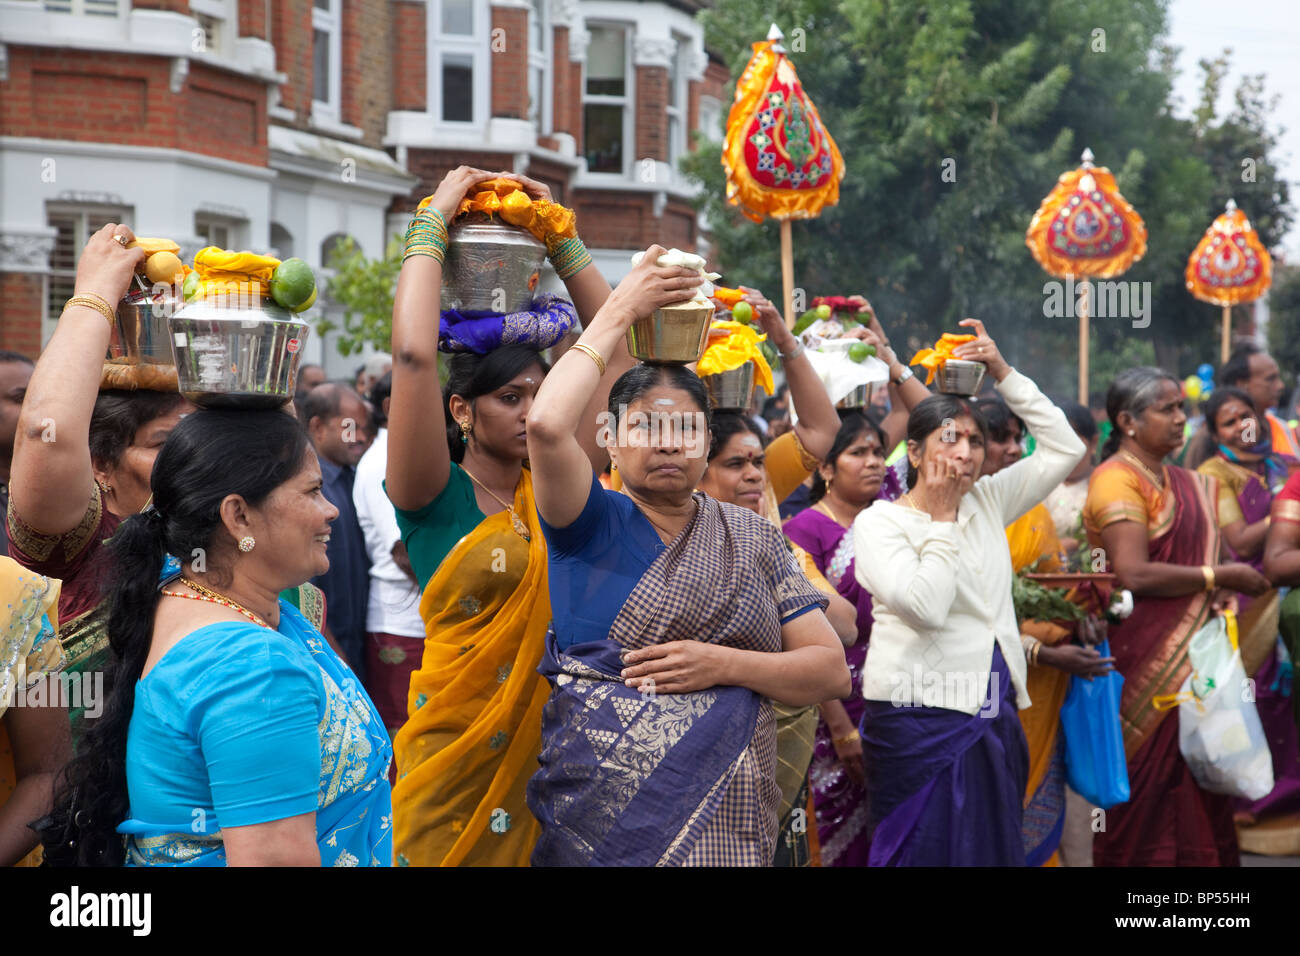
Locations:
{"points": [[476, 614]]}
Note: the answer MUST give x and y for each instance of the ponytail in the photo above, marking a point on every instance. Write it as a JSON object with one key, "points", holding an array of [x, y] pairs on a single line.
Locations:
{"points": [[210, 455]]}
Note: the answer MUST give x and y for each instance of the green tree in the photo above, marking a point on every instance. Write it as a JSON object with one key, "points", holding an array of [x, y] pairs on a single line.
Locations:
{"points": [[1005, 93], [1284, 324], [364, 288]]}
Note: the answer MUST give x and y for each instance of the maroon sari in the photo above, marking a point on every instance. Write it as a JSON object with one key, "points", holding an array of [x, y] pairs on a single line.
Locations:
{"points": [[1168, 820]]}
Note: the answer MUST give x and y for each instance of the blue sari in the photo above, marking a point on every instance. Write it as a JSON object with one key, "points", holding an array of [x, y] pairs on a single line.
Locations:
{"points": [[631, 778], [239, 725]]}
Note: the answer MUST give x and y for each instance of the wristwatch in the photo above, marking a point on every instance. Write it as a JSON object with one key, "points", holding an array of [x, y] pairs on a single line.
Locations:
{"points": [[903, 376]]}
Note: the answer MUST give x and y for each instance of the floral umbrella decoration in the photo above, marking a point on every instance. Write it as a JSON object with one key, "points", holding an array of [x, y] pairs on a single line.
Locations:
{"points": [[1085, 229], [1229, 266], [780, 161]]}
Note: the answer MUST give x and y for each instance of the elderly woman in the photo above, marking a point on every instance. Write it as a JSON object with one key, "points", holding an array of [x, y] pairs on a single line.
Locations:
{"points": [[945, 752], [1159, 526], [234, 735], [676, 620]]}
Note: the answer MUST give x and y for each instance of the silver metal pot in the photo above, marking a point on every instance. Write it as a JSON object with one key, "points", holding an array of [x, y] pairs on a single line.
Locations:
{"points": [[140, 334], [961, 377], [490, 266], [732, 388], [674, 335], [231, 357], [861, 395]]}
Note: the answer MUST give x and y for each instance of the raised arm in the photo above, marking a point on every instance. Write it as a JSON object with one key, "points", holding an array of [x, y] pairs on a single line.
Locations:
{"points": [[902, 398], [1016, 489], [419, 462], [51, 478], [818, 423], [561, 468]]}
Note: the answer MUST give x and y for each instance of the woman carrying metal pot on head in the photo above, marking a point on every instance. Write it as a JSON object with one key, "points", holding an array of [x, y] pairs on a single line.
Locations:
{"points": [[464, 500], [945, 753], [234, 735], [83, 454], [670, 609]]}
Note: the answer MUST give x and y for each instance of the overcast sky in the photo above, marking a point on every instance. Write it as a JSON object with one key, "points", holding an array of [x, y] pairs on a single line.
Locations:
{"points": [[1264, 36]]}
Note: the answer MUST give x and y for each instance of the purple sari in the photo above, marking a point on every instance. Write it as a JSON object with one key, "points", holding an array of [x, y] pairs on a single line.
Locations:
{"points": [[1273, 687], [946, 787]]}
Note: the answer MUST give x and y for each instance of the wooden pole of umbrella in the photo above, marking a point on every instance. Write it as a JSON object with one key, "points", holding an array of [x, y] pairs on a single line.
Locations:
{"points": [[787, 271], [1083, 343], [1225, 346]]}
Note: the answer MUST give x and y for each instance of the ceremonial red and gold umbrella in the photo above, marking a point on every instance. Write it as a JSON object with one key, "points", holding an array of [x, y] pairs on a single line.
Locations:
{"points": [[1085, 229], [1229, 266], [780, 160]]}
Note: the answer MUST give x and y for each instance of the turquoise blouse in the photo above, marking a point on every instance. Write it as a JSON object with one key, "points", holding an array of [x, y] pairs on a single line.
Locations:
{"points": [[238, 725]]}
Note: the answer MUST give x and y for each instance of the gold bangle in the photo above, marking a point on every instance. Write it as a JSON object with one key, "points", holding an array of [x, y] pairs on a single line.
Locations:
{"points": [[1209, 576], [595, 356], [92, 301], [847, 738]]}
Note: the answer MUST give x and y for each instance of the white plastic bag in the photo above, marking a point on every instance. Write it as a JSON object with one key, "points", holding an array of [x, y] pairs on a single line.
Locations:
{"points": [[1219, 732]]}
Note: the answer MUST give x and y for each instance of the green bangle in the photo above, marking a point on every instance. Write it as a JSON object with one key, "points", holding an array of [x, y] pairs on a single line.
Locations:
{"points": [[568, 256], [426, 235]]}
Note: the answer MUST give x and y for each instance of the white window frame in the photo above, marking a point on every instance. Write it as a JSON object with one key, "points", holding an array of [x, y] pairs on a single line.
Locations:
{"points": [[539, 61], [225, 15], [470, 49], [710, 119], [84, 8], [330, 22], [90, 218], [679, 89], [627, 100], [205, 222]]}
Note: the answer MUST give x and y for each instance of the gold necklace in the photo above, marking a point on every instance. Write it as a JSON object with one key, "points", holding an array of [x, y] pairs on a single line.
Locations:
{"points": [[212, 597], [1156, 480], [826, 510], [521, 529]]}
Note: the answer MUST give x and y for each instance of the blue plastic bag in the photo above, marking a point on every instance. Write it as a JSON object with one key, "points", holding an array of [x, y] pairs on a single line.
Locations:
{"points": [[1094, 742]]}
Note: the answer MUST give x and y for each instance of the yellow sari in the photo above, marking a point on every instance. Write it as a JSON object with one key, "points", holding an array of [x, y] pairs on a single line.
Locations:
{"points": [[29, 596], [1033, 536], [465, 755]]}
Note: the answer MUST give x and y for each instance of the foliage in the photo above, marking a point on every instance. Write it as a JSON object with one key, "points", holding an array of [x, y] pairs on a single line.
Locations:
{"points": [[1284, 325], [1034, 601], [1005, 94], [364, 288]]}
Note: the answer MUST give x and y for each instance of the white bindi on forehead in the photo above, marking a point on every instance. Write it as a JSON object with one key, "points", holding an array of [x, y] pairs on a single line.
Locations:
{"points": [[664, 401], [751, 441]]}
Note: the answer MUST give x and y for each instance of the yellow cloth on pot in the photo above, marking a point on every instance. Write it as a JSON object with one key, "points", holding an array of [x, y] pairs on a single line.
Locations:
{"points": [[548, 221], [738, 347], [219, 268]]}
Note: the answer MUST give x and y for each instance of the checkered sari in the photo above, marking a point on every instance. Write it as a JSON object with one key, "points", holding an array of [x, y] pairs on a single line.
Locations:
{"points": [[676, 779]]}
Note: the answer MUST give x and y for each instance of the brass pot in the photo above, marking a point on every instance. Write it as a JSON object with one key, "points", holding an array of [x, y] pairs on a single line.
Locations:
{"points": [[732, 388], [490, 266], [673, 335]]}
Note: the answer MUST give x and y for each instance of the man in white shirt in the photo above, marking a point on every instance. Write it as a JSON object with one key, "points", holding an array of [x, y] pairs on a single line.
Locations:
{"points": [[395, 632]]}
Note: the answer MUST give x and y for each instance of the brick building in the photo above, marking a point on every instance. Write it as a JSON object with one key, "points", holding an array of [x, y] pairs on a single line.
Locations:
{"points": [[283, 125]]}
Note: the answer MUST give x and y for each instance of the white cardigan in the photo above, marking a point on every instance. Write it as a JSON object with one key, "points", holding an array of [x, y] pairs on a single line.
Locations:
{"points": [[941, 589]]}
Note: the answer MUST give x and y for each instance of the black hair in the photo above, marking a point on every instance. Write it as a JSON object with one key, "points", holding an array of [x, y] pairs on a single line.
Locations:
{"points": [[932, 414], [1219, 397], [1134, 391], [119, 414], [472, 376], [1236, 371], [7, 356], [209, 455], [725, 425], [852, 425], [998, 417], [643, 377], [1080, 419], [381, 390]]}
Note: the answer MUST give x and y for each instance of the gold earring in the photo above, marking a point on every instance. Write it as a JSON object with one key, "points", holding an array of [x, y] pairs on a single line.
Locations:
{"points": [[464, 431], [247, 543]]}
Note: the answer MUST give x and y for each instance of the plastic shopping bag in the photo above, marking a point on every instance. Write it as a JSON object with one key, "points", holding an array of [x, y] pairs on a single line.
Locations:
{"points": [[1094, 742], [1219, 732]]}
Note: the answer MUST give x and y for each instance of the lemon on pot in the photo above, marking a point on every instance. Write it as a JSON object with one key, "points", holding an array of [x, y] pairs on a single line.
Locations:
{"points": [[293, 285]]}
